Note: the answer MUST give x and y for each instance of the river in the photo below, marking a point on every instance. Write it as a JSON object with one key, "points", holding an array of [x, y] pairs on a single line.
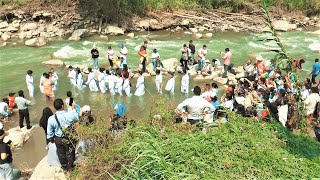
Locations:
{"points": [[16, 59]]}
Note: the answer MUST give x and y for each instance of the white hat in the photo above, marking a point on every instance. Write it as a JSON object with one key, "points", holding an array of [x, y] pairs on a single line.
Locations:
{"points": [[259, 57], [207, 61], [94, 46], [85, 108]]}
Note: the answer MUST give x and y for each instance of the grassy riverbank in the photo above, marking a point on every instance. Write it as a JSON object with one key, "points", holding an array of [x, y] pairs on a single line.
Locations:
{"points": [[241, 148]]}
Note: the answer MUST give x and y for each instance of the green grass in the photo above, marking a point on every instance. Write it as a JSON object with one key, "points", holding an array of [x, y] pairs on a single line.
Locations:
{"points": [[239, 149]]}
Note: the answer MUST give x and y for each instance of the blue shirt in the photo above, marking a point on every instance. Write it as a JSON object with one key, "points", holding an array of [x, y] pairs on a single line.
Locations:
{"points": [[316, 69], [119, 108], [216, 104], [65, 118]]}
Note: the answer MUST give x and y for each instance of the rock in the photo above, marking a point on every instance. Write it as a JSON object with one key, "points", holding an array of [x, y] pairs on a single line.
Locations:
{"points": [[18, 136], [12, 29], [44, 34], [145, 75], [35, 33], [53, 62], [201, 29], [44, 171], [184, 22], [239, 69], [5, 36], [3, 24], [179, 69], [193, 30], [187, 32], [29, 34], [144, 24], [36, 14], [76, 35], [155, 24], [60, 32], [282, 25], [46, 14], [3, 44], [22, 35], [131, 35], [210, 77], [198, 35], [29, 26], [316, 32], [36, 42], [220, 80], [114, 30], [208, 35], [240, 75], [42, 28], [170, 63], [104, 37]]}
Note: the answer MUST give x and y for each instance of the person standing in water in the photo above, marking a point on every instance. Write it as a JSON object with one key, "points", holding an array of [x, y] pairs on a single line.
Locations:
{"points": [[315, 70], [185, 82], [23, 104], [227, 61], [127, 85], [140, 85], [110, 54], [91, 81], [119, 83], [102, 80], [123, 52], [30, 81], [47, 88], [95, 56], [159, 81], [170, 84], [41, 84], [155, 56], [143, 58], [111, 81], [54, 78], [79, 78], [70, 102], [202, 52], [192, 51], [72, 75], [184, 57]]}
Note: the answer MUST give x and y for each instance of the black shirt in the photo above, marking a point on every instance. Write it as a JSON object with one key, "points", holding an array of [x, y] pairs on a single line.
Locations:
{"points": [[5, 148], [95, 53], [192, 48]]}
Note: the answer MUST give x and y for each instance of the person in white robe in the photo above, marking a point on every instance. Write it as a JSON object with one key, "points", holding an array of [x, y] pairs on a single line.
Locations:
{"points": [[41, 85], [54, 79], [29, 81], [119, 83], [127, 85], [102, 80], [79, 80], [91, 81], [72, 75], [140, 85], [159, 81], [170, 84], [111, 80], [185, 82]]}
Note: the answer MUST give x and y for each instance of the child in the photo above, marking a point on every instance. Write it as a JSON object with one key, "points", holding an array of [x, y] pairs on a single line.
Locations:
{"points": [[12, 103], [185, 82], [159, 81], [91, 81], [102, 80], [170, 83]]}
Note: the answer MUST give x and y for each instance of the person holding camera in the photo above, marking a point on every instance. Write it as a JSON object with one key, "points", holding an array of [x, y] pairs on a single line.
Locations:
{"points": [[6, 170]]}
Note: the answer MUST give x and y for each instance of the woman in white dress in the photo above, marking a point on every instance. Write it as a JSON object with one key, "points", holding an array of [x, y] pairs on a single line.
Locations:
{"points": [[30, 83], [185, 82], [127, 85], [79, 78], [170, 84], [159, 81], [41, 79], [119, 83], [140, 85], [54, 79], [102, 80], [111, 81], [91, 81]]}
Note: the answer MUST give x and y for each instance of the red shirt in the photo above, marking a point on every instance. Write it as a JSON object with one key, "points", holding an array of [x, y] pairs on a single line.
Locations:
{"points": [[12, 102]]}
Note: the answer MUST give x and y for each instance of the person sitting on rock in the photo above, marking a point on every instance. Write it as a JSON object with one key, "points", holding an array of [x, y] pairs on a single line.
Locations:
{"points": [[207, 69], [4, 109]]}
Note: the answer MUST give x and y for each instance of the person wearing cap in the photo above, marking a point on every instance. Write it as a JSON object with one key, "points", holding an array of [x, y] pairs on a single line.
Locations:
{"points": [[226, 61], [30, 81], [86, 115], [4, 109], [195, 107], [170, 84], [95, 56], [155, 56], [315, 70], [185, 82], [6, 168], [123, 51], [202, 52], [22, 105], [65, 148], [72, 75]]}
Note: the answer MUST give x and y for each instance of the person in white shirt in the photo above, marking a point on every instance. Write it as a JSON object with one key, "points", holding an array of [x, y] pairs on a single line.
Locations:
{"points": [[127, 85], [102, 80], [185, 82], [123, 52], [155, 56], [72, 75], [170, 84], [159, 81], [228, 104], [140, 85], [29, 81], [202, 52], [41, 85], [4, 109], [283, 112], [111, 80], [249, 70], [91, 81], [196, 107], [119, 83], [207, 93], [54, 78], [311, 101], [79, 77], [110, 55], [214, 90], [70, 102]]}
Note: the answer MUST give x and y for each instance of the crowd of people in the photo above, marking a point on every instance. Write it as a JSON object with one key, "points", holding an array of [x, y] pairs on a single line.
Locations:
{"points": [[263, 94]]}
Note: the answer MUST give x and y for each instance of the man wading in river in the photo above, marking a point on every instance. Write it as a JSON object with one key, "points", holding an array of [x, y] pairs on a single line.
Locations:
{"points": [[95, 56]]}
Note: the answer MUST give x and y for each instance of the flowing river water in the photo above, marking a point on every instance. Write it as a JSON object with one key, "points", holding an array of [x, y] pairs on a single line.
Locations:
{"points": [[16, 59]]}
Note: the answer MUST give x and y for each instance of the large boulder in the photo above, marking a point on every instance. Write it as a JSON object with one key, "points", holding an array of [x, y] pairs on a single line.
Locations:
{"points": [[29, 26], [220, 80], [12, 29], [209, 35], [170, 63], [131, 35], [44, 171], [3, 24], [198, 35], [36, 42], [155, 24], [316, 32], [76, 35], [144, 24], [281, 25], [193, 30], [53, 62], [18, 136], [5, 36], [114, 30]]}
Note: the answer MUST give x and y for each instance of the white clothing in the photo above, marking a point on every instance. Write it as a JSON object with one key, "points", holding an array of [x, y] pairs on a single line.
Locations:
{"points": [[110, 54], [311, 102], [185, 84], [213, 92], [127, 87], [124, 53], [196, 106], [53, 159], [69, 108], [79, 81], [249, 70], [158, 82], [3, 107], [29, 81], [54, 79], [73, 77], [229, 105], [41, 86], [206, 94], [154, 56], [111, 81], [283, 114], [140, 87], [102, 82], [217, 63], [305, 93], [118, 88], [92, 82], [170, 85], [202, 53]]}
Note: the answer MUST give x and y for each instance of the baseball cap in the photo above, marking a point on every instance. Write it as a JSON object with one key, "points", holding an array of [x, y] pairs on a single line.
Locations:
{"points": [[85, 108]]}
